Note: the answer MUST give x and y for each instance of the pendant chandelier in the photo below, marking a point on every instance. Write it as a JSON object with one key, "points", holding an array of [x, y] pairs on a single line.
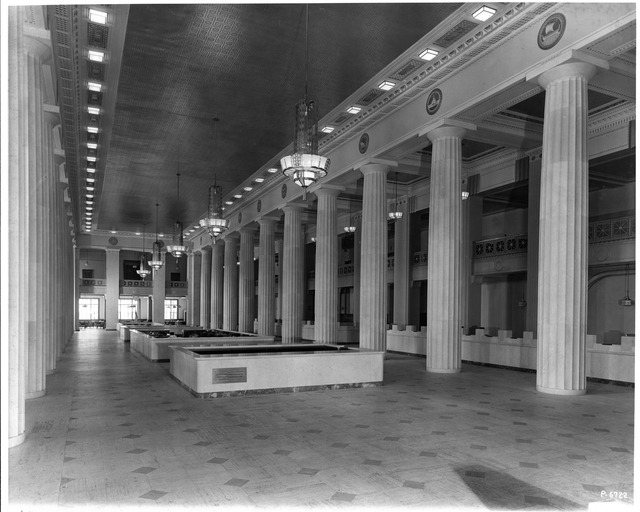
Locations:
{"points": [[351, 228], [395, 214], [144, 270], [177, 248], [626, 301], [156, 258], [214, 223], [305, 166]]}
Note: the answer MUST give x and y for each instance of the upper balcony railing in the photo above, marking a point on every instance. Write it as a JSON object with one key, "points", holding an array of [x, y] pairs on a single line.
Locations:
{"points": [[500, 246], [612, 229]]}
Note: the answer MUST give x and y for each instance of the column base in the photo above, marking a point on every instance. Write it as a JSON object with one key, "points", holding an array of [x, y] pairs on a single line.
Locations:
{"points": [[443, 370], [555, 391], [16, 440], [35, 394]]}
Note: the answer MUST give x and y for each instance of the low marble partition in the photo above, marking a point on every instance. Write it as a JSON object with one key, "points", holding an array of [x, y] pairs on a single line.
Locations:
{"points": [[210, 376], [610, 362], [124, 330], [346, 333], [158, 349]]}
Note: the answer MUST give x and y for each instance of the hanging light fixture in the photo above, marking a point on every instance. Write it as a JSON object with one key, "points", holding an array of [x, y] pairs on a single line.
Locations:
{"points": [[465, 189], [351, 228], [305, 166], [177, 248], [214, 223], [395, 214], [626, 301], [144, 270], [156, 257]]}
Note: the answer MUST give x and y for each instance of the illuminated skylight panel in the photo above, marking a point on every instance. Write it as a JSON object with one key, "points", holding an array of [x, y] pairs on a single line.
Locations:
{"points": [[386, 85], [353, 109], [484, 13], [96, 16], [429, 54]]}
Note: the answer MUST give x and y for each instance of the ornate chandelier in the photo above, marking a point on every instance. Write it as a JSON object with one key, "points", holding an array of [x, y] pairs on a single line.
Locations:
{"points": [[156, 258], [351, 228], [395, 214], [177, 248], [214, 223], [144, 270], [305, 166]]}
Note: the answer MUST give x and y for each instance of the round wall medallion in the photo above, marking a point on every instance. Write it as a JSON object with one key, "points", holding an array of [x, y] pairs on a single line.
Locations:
{"points": [[363, 145], [161, 243], [433, 101], [259, 205], [239, 217], [551, 31], [284, 191], [113, 240]]}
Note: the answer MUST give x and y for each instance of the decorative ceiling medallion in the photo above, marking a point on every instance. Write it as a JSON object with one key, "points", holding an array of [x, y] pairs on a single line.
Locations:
{"points": [[113, 240], [284, 191], [551, 31], [259, 205], [433, 101], [363, 145], [240, 218]]}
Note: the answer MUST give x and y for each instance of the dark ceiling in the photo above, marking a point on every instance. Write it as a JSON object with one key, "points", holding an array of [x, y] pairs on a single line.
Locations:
{"points": [[183, 65]]}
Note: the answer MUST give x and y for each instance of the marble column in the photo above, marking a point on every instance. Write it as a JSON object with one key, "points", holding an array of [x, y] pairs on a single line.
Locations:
{"points": [[279, 250], [401, 266], [470, 288], [113, 287], [194, 265], [217, 284], [76, 288], [564, 200], [533, 238], [373, 258], [37, 52], [445, 236], [247, 285], [14, 332], [357, 263], [205, 288], [266, 277], [230, 300], [159, 291], [326, 307], [292, 275]]}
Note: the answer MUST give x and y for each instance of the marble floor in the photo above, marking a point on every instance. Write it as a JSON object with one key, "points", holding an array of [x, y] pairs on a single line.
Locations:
{"points": [[115, 431]]}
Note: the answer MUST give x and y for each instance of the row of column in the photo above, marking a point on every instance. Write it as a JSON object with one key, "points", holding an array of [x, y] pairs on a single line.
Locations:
{"points": [[38, 260]]}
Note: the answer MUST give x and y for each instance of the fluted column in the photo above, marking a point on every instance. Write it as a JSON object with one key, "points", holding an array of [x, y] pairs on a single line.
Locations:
{"points": [[279, 250], [247, 285], [14, 332], [217, 284], [564, 200], [159, 291], [193, 276], [113, 287], [533, 239], [205, 288], [401, 267], [470, 289], [444, 273], [373, 257], [326, 307], [38, 163], [292, 275], [266, 277], [230, 300], [357, 264], [76, 287]]}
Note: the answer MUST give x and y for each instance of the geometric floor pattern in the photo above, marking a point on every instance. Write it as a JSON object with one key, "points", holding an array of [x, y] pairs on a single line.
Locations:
{"points": [[115, 431]]}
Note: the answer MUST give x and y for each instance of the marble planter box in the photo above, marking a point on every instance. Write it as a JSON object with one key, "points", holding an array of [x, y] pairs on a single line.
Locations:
{"points": [[124, 330], [346, 333], [214, 375], [158, 349]]}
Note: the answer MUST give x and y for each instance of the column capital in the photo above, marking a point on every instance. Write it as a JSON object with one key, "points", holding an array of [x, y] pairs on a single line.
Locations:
{"points": [[51, 114], [328, 190], [444, 128], [247, 229], [205, 248], [111, 250], [231, 236], [37, 47], [268, 219], [567, 57], [572, 69], [375, 163], [294, 207]]}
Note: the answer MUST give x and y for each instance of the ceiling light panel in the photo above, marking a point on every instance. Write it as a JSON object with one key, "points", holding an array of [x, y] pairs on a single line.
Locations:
{"points": [[96, 16], [386, 85], [484, 13]]}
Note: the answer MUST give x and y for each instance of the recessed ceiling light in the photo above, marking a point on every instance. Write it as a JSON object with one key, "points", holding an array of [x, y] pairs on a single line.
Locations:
{"points": [[92, 145], [96, 56], [90, 188], [98, 16], [92, 129], [259, 180], [94, 111], [428, 54], [228, 202], [327, 129], [138, 233], [88, 208], [94, 86], [386, 86], [248, 189], [89, 196], [238, 196], [91, 170], [273, 169], [353, 109], [113, 232], [91, 159], [222, 208], [196, 227], [484, 13], [89, 202], [90, 179]]}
